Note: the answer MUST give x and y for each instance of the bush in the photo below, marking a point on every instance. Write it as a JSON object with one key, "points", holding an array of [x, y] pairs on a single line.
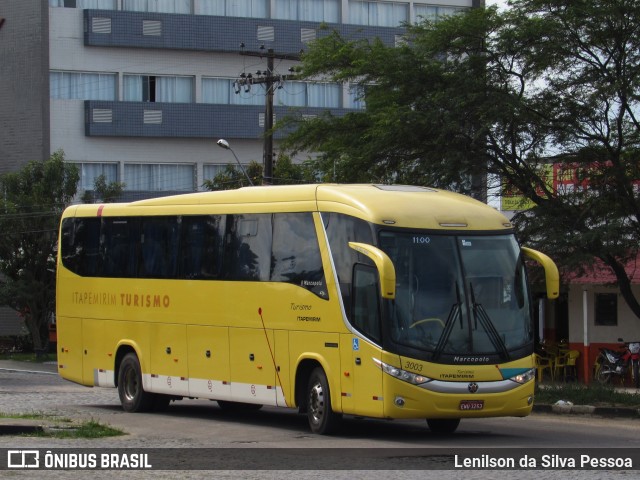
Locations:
{"points": [[578, 394]]}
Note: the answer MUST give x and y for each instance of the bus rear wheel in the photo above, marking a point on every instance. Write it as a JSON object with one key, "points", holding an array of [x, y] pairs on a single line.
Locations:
{"points": [[132, 395], [443, 426], [322, 419]]}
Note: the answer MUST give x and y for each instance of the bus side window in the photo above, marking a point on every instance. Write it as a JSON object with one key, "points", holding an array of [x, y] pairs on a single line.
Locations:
{"points": [[119, 241], [248, 250], [342, 229], [80, 245], [158, 247], [201, 246], [295, 256]]}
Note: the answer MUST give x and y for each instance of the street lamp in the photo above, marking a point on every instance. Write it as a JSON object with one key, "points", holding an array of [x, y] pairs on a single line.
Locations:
{"points": [[222, 143]]}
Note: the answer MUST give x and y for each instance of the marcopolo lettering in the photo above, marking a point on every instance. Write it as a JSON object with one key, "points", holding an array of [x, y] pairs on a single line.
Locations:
{"points": [[467, 359]]}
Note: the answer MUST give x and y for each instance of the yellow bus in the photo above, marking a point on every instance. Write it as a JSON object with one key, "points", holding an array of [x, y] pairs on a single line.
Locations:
{"points": [[379, 301]]}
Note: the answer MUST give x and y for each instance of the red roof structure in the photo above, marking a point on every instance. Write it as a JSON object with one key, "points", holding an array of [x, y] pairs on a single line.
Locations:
{"points": [[600, 274]]}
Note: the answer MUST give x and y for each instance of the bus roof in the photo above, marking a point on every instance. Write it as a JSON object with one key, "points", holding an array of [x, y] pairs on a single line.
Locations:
{"points": [[398, 205]]}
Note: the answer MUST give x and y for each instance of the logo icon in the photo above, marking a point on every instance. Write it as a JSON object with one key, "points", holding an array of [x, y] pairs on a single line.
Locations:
{"points": [[23, 459], [473, 387]]}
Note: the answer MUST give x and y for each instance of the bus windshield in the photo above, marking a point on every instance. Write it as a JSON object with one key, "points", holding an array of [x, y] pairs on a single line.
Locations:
{"points": [[458, 294]]}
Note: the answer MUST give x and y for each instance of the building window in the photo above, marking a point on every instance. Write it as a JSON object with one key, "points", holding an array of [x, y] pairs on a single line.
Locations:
{"points": [[82, 86], [606, 309], [94, 4], [226, 91], [234, 8], [356, 97], [308, 10], [152, 88], [90, 171], [380, 14], [154, 177], [433, 13], [160, 6], [307, 94]]}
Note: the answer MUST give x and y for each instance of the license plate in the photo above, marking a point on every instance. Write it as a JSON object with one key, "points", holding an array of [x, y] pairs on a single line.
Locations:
{"points": [[471, 404]]}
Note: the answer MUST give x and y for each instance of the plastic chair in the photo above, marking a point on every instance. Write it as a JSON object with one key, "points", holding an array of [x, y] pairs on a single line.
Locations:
{"points": [[566, 363], [542, 364]]}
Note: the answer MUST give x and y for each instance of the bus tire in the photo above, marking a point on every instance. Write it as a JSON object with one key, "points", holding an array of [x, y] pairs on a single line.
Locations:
{"points": [[443, 426], [322, 419], [132, 395]]}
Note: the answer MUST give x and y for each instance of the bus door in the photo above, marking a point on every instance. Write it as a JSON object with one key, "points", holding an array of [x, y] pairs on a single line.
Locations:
{"points": [[365, 318]]}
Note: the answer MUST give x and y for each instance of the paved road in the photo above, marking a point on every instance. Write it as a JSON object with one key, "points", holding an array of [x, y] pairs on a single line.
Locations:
{"points": [[194, 424]]}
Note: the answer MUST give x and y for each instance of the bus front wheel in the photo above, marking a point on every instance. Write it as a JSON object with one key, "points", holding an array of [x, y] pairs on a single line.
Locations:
{"points": [[132, 396], [322, 419]]}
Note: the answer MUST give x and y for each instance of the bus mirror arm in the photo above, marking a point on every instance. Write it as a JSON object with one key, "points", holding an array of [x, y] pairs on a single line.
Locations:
{"points": [[385, 267], [551, 275]]}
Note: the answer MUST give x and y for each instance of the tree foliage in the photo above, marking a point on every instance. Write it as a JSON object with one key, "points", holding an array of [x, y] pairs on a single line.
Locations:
{"points": [[285, 172], [31, 203], [105, 192], [503, 94]]}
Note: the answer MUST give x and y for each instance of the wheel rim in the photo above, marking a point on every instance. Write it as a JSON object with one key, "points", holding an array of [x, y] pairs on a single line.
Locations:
{"points": [[316, 403], [130, 384]]}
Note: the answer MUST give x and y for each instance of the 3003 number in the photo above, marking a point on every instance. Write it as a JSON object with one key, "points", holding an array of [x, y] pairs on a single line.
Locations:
{"points": [[416, 367]]}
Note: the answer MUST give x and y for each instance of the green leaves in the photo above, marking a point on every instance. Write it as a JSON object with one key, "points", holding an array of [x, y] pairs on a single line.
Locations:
{"points": [[32, 202], [505, 95]]}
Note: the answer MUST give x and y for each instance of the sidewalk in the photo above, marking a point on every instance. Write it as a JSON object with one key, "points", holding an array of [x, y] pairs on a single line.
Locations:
{"points": [[29, 367], [563, 407]]}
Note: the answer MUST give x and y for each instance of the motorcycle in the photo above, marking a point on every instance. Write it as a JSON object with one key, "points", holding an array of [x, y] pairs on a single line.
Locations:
{"points": [[620, 363]]}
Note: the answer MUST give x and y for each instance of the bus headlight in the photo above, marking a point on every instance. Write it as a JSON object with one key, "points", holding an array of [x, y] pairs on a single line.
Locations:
{"points": [[524, 377], [413, 378]]}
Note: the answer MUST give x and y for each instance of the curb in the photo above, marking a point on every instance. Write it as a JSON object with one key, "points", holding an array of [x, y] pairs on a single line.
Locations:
{"points": [[12, 426], [624, 412]]}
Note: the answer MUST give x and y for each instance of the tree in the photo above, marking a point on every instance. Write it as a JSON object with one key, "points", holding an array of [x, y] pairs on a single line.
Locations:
{"points": [[31, 204], [103, 191], [232, 177], [506, 95], [285, 172]]}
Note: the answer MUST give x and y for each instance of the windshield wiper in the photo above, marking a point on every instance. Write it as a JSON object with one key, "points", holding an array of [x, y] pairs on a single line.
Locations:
{"points": [[448, 326], [479, 313]]}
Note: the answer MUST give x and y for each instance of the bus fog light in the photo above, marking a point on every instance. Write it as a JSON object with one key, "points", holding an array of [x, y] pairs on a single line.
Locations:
{"points": [[399, 401], [529, 400]]}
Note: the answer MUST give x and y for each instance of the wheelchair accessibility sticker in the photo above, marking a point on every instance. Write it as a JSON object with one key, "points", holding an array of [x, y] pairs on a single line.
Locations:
{"points": [[356, 344]]}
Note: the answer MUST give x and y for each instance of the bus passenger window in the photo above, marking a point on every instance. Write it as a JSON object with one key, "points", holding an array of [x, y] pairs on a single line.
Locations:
{"points": [[119, 240], [80, 246], [159, 247], [248, 252], [202, 246], [295, 256]]}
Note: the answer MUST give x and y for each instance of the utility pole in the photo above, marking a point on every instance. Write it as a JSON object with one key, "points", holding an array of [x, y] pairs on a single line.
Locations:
{"points": [[270, 80]]}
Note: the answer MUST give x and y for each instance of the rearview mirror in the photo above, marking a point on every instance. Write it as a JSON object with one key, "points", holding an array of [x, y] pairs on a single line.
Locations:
{"points": [[384, 265], [551, 275]]}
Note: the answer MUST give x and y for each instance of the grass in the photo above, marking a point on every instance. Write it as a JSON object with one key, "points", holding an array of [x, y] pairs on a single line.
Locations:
{"points": [[595, 395], [87, 429], [29, 357], [65, 428]]}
